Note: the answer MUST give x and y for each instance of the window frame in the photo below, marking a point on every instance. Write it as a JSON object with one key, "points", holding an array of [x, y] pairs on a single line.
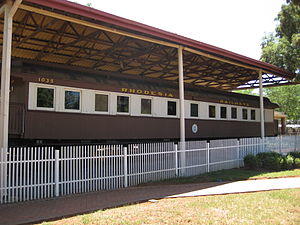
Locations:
{"points": [[64, 99], [149, 98], [236, 113], [129, 104], [226, 113], [252, 110], [176, 104], [194, 103], [214, 117], [108, 102], [35, 97], [245, 110]]}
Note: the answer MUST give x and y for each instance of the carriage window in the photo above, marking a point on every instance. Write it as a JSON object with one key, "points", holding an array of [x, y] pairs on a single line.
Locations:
{"points": [[101, 103], [233, 113], [212, 111], [123, 104], [194, 110], [45, 97], [223, 112], [145, 106], [72, 100], [245, 114], [171, 108], [252, 114]]}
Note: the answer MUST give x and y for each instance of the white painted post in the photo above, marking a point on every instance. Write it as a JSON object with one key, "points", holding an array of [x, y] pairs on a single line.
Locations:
{"points": [[207, 157], [261, 98], [238, 153], [4, 97], [182, 114], [262, 119], [295, 142], [176, 159], [280, 144], [56, 173], [125, 167]]}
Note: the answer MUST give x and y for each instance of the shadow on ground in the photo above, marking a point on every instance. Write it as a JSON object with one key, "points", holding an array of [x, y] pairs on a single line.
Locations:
{"points": [[49, 209]]}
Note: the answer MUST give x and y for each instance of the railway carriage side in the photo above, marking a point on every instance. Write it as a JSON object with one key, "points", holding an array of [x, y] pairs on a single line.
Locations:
{"points": [[53, 108]]}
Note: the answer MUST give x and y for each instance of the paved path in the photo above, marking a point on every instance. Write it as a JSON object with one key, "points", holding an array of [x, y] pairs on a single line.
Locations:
{"points": [[42, 210], [244, 186]]}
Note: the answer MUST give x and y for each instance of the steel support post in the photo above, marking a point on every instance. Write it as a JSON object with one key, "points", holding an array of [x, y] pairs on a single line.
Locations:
{"points": [[4, 98], [262, 116], [182, 114]]}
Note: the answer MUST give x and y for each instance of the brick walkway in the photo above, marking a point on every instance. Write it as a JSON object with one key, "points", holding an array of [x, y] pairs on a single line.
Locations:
{"points": [[42, 210]]}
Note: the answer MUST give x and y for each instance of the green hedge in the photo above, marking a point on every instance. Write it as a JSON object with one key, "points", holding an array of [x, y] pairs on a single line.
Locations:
{"points": [[272, 161]]}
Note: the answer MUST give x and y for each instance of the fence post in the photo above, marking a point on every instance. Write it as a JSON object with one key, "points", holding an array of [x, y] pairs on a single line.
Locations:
{"points": [[56, 173], [280, 144], [296, 142], [125, 167], [262, 145], [182, 158], [207, 156], [3, 173], [176, 159], [238, 153]]}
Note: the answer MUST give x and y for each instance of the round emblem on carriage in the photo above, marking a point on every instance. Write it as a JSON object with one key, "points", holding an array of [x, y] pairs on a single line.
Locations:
{"points": [[195, 128]]}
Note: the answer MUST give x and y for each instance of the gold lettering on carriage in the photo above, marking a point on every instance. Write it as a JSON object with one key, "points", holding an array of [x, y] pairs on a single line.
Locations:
{"points": [[234, 103], [147, 92]]}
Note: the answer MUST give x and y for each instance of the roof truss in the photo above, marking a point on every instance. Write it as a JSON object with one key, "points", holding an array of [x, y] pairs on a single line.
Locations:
{"points": [[44, 38]]}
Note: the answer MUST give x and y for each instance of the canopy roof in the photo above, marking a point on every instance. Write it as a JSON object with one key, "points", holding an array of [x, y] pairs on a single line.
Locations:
{"points": [[59, 31]]}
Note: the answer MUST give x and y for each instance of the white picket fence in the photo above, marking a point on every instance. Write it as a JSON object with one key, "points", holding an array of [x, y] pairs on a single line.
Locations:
{"points": [[29, 173]]}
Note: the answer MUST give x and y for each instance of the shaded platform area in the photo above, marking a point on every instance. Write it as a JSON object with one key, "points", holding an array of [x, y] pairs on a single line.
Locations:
{"points": [[29, 212]]}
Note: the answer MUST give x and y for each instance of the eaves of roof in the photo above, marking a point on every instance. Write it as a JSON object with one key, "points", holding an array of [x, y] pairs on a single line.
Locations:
{"points": [[91, 13]]}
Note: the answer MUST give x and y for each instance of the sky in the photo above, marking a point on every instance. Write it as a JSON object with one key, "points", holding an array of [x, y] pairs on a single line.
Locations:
{"points": [[235, 25]]}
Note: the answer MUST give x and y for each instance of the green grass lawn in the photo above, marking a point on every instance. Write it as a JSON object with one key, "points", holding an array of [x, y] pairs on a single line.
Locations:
{"points": [[229, 175], [272, 207]]}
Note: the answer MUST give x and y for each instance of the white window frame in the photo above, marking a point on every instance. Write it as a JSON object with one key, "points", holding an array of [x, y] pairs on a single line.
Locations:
{"points": [[129, 103], [80, 99], [36, 86], [247, 110], [108, 102], [177, 107], [226, 118], [254, 115], [237, 113], [216, 111], [190, 111], [140, 110]]}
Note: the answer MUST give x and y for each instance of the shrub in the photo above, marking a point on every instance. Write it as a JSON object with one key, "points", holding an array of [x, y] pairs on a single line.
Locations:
{"points": [[287, 162], [251, 162], [295, 154], [270, 160], [296, 157], [297, 163]]}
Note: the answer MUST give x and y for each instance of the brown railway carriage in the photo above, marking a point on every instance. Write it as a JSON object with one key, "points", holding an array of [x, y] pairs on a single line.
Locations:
{"points": [[58, 104]]}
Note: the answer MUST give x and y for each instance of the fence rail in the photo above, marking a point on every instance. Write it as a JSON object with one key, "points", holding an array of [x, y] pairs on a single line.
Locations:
{"points": [[29, 173]]}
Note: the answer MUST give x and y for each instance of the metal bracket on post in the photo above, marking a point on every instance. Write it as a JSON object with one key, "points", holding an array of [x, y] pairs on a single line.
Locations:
{"points": [[56, 173], [125, 167]]}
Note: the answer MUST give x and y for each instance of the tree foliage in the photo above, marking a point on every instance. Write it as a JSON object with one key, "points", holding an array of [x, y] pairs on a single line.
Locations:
{"points": [[282, 49], [246, 92], [288, 98]]}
